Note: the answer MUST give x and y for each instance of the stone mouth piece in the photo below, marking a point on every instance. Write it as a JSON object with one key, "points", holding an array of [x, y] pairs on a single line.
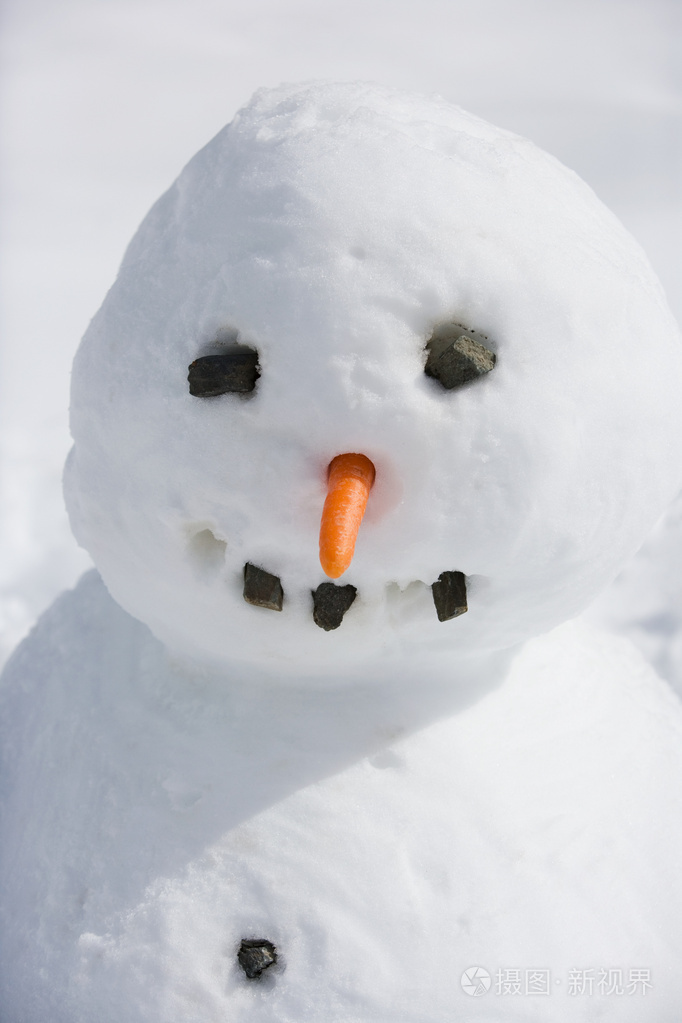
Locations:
{"points": [[262, 589], [256, 955], [450, 595], [330, 601]]}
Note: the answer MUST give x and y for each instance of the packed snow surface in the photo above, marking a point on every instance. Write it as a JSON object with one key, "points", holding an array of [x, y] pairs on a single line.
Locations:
{"points": [[331, 228], [402, 799], [384, 838]]}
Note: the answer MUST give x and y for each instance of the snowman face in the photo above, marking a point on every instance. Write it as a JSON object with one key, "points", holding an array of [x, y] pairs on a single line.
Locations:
{"points": [[342, 235]]}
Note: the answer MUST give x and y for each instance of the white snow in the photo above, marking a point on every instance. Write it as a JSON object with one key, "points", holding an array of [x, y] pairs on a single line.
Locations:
{"points": [[645, 600], [443, 798], [386, 838], [331, 228], [594, 84]]}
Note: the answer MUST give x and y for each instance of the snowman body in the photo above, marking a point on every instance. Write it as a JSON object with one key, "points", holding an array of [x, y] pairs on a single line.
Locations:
{"points": [[519, 818], [398, 800]]}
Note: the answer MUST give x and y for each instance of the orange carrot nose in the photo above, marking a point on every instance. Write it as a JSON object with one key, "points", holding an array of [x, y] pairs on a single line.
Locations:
{"points": [[349, 483]]}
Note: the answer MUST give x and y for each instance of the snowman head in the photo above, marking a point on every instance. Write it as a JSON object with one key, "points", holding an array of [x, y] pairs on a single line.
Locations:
{"points": [[320, 264]]}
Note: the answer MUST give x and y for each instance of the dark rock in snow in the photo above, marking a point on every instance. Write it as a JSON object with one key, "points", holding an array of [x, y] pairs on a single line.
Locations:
{"points": [[255, 955], [330, 603], [454, 361], [262, 589], [229, 372], [450, 595]]}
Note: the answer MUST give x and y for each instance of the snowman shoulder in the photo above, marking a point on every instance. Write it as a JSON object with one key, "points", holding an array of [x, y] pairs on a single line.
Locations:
{"points": [[82, 637]]}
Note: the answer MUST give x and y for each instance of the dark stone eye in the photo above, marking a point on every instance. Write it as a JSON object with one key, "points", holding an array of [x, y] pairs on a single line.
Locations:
{"points": [[455, 358], [232, 372]]}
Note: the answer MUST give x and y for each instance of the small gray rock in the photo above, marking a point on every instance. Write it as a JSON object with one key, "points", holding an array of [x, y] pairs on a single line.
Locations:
{"points": [[255, 955], [450, 595], [262, 589], [455, 361], [330, 603]]}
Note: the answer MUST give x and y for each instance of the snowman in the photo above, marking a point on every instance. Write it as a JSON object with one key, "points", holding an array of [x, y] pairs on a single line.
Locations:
{"points": [[381, 398]]}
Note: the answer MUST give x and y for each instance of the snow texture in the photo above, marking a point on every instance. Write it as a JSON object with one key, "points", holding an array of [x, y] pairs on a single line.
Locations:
{"points": [[332, 228], [401, 799], [594, 84], [385, 838]]}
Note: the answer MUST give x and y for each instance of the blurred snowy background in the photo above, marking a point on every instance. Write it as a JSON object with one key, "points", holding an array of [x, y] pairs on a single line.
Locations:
{"points": [[103, 101]]}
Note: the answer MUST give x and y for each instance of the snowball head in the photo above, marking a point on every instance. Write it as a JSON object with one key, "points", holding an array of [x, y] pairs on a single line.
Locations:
{"points": [[332, 228]]}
